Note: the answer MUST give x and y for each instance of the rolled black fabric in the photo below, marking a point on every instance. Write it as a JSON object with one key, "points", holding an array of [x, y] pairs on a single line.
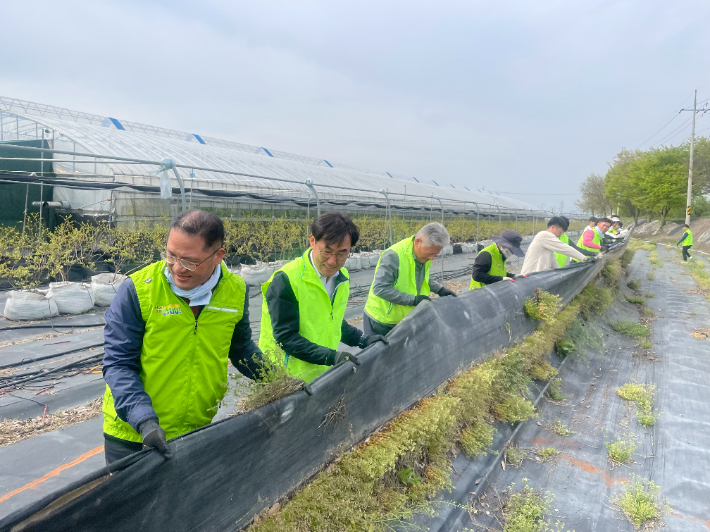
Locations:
{"points": [[220, 476]]}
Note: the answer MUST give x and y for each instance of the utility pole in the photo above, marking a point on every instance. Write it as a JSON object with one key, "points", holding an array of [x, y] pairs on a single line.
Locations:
{"points": [[692, 149], [690, 166]]}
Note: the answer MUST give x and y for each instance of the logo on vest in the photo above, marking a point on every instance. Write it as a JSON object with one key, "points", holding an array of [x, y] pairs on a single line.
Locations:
{"points": [[169, 310]]}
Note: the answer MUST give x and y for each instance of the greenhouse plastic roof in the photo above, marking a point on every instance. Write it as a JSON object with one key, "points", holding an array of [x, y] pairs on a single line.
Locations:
{"points": [[88, 133]]}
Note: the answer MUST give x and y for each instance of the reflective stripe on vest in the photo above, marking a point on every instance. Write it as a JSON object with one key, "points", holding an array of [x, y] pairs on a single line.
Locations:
{"points": [[389, 313], [688, 239], [497, 265], [320, 319], [562, 259], [183, 360]]}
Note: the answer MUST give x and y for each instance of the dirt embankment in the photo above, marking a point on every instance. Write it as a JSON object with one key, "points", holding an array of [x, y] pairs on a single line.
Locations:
{"points": [[672, 231]]}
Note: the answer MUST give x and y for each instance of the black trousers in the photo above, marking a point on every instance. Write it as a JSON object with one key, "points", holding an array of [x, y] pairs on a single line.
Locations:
{"points": [[370, 326], [686, 255], [116, 448]]}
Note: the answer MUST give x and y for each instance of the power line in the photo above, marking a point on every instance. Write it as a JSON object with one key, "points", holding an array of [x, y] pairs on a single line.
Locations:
{"points": [[675, 115], [672, 133]]}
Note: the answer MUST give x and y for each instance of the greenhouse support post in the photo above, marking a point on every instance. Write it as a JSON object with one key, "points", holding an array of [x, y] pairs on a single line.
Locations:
{"points": [[389, 213], [41, 201]]}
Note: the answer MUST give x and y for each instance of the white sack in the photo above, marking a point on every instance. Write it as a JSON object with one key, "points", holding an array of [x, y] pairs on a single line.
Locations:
{"points": [[256, 275], [29, 305], [71, 298], [105, 287]]}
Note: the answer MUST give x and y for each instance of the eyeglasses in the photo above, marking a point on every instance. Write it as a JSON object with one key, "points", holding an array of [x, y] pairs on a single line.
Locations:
{"points": [[326, 254], [187, 264]]}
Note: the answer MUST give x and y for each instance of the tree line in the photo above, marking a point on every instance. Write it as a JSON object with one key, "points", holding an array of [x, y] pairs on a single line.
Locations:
{"points": [[651, 183]]}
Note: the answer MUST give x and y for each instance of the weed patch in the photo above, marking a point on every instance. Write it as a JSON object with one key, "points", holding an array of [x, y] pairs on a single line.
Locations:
{"points": [[542, 306], [647, 312], [554, 390], [640, 503], [564, 347], [524, 511], [559, 428], [645, 344], [651, 276], [634, 284], [700, 276], [515, 456], [648, 295], [642, 395], [621, 450], [273, 383], [636, 300], [546, 453], [631, 328]]}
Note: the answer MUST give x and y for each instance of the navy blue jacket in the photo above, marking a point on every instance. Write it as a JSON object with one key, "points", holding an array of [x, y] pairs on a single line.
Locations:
{"points": [[123, 339]]}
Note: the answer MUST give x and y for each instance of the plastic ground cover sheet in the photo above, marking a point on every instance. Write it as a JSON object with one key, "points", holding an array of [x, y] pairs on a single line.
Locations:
{"points": [[673, 453], [222, 475]]}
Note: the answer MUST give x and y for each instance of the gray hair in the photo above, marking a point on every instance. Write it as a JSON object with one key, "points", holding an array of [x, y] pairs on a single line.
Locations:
{"points": [[435, 234]]}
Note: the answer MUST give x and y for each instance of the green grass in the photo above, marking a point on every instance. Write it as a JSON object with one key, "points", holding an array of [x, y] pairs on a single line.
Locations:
{"points": [[631, 328], [653, 259], [546, 453], [648, 295], [564, 347], [635, 300], [542, 306], [560, 429], [634, 284], [525, 510], [621, 450], [651, 276], [640, 503], [697, 271], [515, 456], [647, 312], [646, 344], [397, 471], [554, 390], [643, 395]]}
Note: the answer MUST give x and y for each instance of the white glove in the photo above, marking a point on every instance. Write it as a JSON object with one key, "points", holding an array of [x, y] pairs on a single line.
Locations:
{"points": [[508, 279], [520, 276]]}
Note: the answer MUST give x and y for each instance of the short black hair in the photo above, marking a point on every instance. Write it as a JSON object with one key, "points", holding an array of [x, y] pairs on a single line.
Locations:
{"points": [[686, 225], [203, 224], [333, 227], [607, 220], [558, 221], [566, 221], [593, 219]]}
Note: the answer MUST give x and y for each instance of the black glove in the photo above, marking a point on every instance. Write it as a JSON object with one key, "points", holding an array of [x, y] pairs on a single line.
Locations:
{"points": [[443, 292], [419, 299], [369, 339], [342, 356], [154, 437]]}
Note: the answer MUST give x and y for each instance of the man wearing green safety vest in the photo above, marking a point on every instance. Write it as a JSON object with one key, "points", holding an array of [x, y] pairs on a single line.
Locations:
{"points": [[303, 314], [170, 331], [687, 241], [402, 279], [563, 259], [490, 264], [593, 239]]}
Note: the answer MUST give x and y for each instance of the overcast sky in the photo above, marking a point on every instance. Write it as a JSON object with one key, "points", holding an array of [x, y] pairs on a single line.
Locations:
{"points": [[522, 97]]}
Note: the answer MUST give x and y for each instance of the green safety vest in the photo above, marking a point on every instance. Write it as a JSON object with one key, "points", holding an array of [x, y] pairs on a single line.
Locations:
{"points": [[562, 259], [688, 239], [390, 313], [596, 239], [497, 265], [320, 318], [183, 360]]}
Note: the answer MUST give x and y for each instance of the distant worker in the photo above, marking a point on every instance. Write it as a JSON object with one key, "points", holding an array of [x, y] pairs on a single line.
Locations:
{"points": [[541, 252], [303, 312], [490, 264], [687, 241], [592, 223], [170, 331], [402, 279], [562, 260], [592, 239]]}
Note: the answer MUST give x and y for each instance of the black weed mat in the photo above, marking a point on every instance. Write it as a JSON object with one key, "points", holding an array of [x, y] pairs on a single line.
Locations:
{"points": [[674, 453]]}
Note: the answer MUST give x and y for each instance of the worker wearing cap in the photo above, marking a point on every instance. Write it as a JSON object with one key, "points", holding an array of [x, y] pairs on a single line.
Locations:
{"points": [[687, 241], [303, 313], [490, 264], [402, 279], [561, 259], [170, 331]]}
